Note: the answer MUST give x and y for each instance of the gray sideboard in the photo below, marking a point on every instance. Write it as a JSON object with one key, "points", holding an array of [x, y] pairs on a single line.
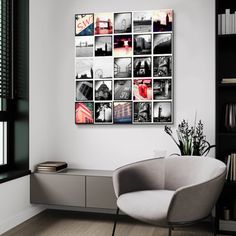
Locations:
{"points": [[74, 187]]}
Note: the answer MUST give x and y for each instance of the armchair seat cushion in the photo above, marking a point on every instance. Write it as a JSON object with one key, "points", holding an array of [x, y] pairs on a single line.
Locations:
{"points": [[150, 206]]}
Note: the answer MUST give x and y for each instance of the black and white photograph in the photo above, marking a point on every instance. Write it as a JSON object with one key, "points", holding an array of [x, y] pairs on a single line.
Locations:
{"points": [[84, 68], [142, 66], [162, 20], [162, 112], [84, 90], [123, 67], [103, 90], [162, 89], [123, 89], [142, 22], [123, 45], [142, 44], [162, 66], [103, 67], [122, 112], [103, 112], [123, 22], [84, 46], [142, 112], [103, 46], [162, 43]]}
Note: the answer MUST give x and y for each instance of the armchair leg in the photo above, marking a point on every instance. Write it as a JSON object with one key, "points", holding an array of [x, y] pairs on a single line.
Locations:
{"points": [[170, 230], [116, 219], [213, 225]]}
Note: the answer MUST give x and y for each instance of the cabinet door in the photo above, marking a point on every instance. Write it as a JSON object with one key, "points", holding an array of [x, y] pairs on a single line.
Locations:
{"points": [[100, 192], [57, 189]]}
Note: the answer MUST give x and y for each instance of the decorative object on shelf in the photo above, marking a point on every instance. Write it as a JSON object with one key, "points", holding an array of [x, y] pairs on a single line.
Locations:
{"points": [[51, 166], [227, 23], [230, 117], [124, 67], [191, 140]]}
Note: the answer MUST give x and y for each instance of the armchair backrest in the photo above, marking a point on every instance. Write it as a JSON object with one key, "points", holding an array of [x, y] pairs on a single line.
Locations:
{"points": [[189, 170]]}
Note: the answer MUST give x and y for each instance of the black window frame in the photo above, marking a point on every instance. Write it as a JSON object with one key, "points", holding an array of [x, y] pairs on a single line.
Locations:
{"points": [[16, 113]]}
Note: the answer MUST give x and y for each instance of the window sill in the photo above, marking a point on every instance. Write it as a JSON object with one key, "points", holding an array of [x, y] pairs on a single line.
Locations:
{"points": [[13, 174]]}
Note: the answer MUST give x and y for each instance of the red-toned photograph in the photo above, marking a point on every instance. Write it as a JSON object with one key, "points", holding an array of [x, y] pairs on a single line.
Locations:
{"points": [[84, 113], [103, 23], [142, 89]]}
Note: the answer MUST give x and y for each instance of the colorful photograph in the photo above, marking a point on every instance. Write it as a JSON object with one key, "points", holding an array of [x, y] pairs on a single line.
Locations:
{"points": [[84, 90], [142, 66], [162, 112], [84, 46], [103, 46], [122, 45], [142, 112], [162, 66], [84, 68], [84, 113], [142, 22], [123, 67], [103, 23], [103, 68], [162, 44], [84, 24], [103, 90], [122, 112], [162, 89], [123, 89], [162, 20], [103, 112], [142, 89], [123, 22], [142, 44]]}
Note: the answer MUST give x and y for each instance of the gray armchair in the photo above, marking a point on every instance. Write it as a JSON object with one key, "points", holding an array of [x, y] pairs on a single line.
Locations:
{"points": [[169, 192]]}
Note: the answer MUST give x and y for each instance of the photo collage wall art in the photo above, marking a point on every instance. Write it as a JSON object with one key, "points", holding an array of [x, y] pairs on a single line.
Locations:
{"points": [[124, 67]]}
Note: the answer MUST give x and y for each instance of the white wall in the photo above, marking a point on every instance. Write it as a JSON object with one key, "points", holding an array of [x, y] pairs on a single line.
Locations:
{"points": [[15, 203], [53, 132]]}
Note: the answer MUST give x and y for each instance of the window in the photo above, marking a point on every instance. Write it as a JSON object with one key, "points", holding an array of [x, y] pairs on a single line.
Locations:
{"points": [[5, 77], [14, 101]]}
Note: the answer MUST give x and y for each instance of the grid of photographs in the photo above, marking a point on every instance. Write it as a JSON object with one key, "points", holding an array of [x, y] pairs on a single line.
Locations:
{"points": [[124, 67]]}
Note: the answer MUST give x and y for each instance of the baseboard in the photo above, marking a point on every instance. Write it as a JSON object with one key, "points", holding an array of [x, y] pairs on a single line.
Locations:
{"points": [[19, 218]]}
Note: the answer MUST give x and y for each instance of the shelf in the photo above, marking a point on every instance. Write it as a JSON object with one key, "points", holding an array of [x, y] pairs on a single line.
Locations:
{"points": [[232, 85], [227, 134], [227, 36]]}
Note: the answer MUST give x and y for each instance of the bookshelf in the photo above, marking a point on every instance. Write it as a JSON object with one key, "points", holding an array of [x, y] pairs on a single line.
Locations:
{"points": [[225, 94]]}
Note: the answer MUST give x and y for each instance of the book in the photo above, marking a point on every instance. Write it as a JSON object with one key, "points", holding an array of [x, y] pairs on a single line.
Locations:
{"points": [[235, 22], [228, 81], [223, 24], [228, 225], [231, 167], [219, 24], [227, 166], [227, 21], [232, 24], [51, 166]]}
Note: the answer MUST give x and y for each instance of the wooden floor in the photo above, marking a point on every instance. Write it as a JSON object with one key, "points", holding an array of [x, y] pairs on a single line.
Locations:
{"points": [[66, 223]]}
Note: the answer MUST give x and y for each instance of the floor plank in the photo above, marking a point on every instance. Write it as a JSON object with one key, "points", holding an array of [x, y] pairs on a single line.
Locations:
{"points": [[67, 223]]}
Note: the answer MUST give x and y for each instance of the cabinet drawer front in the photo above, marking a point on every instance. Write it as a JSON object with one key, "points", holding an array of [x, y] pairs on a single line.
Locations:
{"points": [[100, 193], [57, 189]]}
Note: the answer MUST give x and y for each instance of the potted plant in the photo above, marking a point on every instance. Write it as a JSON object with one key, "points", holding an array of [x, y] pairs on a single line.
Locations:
{"points": [[190, 140]]}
